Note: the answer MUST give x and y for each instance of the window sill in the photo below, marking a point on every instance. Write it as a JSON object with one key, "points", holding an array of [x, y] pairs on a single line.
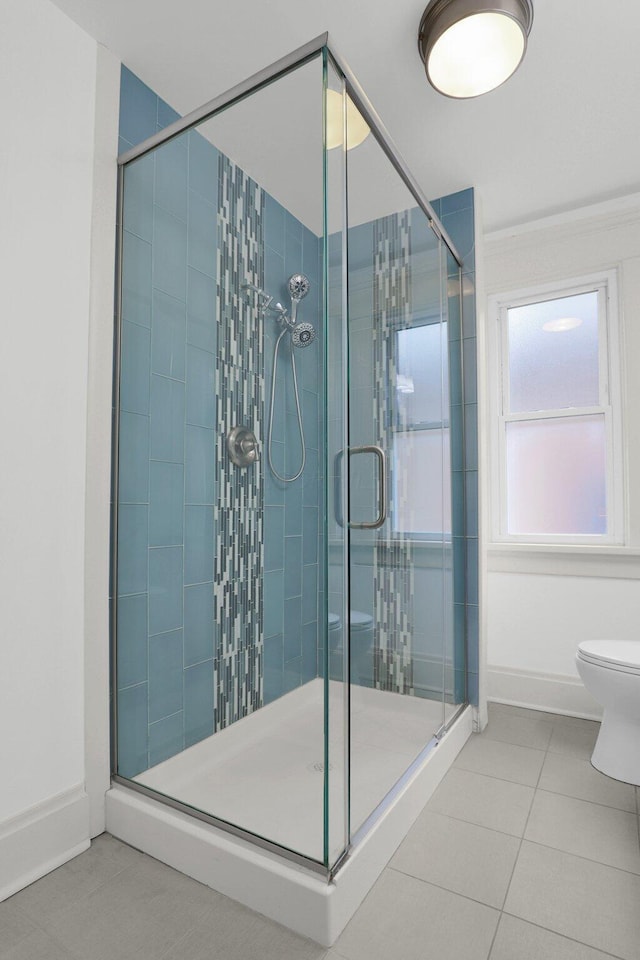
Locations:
{"points": [[612, 561]]}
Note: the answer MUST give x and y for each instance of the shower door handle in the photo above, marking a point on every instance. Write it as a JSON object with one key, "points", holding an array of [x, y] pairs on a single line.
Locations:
{"points": [[382, 488]]}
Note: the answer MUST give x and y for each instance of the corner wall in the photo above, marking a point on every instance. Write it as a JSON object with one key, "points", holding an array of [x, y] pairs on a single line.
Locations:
{"points": [[47, 181]]}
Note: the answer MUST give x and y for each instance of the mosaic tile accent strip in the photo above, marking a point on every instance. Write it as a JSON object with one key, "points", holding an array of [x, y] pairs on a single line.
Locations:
{"points": [[240, 260], [239, 392], [393, 577]]}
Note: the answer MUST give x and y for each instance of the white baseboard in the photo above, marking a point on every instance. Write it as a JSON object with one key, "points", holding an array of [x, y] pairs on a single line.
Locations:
{"points": [[283, 891], [42, 838], [552, 693]]}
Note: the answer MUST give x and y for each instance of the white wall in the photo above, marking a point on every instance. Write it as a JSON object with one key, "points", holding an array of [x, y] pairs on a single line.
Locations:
{"points": [[541, 602], [48, 69]]}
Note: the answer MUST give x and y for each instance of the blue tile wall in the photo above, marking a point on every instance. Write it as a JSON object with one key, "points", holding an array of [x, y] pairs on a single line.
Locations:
{"points": [[166, 738], [132, 631], [168, 639], [168, 336], [457, 214], [166, 496], [165, 589], [291, 541], [165, 675], [198, 702], [133, 730], [198, 623], [165, 612]]}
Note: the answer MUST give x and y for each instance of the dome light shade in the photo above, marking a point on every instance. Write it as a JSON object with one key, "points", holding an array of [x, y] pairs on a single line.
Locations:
{"points": [[357, 129], [472, 46]]}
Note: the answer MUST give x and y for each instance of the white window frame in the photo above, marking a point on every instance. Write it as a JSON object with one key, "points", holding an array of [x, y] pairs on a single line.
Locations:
{"points": [[605, 283]]}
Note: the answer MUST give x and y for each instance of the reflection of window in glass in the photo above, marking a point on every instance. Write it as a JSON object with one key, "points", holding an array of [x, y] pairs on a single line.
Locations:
{"points": [[557, 423], [421, 500]]}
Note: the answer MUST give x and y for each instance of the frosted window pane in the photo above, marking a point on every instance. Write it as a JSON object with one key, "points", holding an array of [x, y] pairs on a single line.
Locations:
{"points": [[420, 372], [420, 500], [556, 476], [552, 369]]}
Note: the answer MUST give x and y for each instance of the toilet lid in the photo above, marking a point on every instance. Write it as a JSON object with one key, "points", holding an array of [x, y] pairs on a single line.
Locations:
{"points": [[359, 620], [618, 653]]}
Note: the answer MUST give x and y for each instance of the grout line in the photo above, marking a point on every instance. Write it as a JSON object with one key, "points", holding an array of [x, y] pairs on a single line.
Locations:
{"points": [[546, 751], [492, 776], [438, 886], [564, 936], [517, 858], [511, 743], [472, 823], [579, 856], [571, 796], [495, 934]]}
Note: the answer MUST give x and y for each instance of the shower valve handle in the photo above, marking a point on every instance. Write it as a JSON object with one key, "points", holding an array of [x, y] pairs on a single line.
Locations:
{"points": [[242, 445]]}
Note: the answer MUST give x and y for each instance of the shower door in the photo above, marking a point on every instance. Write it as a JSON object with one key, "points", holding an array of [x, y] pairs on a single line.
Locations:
{"points": [[401, 611]]}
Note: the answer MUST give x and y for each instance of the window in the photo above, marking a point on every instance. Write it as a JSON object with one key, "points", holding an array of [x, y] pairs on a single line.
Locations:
{"points": [[421, 497], [557, 448]]}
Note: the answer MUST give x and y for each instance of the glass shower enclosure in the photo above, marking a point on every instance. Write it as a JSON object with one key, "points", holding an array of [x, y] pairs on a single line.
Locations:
{"points": [[287, 602]]}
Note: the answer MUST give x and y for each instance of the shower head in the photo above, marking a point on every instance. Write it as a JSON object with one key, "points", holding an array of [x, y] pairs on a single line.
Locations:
{"points": [[298, 286], [298, 289], [303, 334]]}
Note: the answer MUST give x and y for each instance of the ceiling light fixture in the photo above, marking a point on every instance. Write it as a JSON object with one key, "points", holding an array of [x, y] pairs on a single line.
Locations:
{"points": [[561, 324], [357, 129], [469, 47]]}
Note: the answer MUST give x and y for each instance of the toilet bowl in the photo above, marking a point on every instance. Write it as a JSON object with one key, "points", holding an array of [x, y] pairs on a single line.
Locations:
{"points": [[610, 670], [361, 641]]}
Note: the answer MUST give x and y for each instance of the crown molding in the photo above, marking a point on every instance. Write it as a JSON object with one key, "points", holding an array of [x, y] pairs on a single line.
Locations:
{"points": [[608, 213]]}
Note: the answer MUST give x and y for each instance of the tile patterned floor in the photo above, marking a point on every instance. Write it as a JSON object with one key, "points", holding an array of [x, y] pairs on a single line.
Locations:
{"points": [[525, 852]]}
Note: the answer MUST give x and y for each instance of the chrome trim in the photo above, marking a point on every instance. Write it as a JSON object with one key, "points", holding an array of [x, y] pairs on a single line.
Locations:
{"points": [[382, 487], [271, 73], [242, 446], [381, 134], [340, 863], [253, 838], [346, 406], [115, 459], [400, 784], [452, 719], [463, 441], [239, 92], [389, 797]]}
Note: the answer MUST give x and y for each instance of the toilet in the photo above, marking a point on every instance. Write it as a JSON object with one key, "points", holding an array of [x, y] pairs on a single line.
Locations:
{"points": [[361, 636], [610, 670]]}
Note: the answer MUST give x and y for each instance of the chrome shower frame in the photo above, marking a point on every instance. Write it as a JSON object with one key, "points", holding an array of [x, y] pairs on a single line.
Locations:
{"points": [[236, 94]]}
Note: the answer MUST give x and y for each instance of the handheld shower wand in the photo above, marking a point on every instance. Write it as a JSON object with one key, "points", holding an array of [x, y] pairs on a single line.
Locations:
{"points": [[299, 287], [302, 334]]}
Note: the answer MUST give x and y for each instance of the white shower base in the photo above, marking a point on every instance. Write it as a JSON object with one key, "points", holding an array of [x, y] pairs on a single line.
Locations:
{"points": [[260, 774], [264, 773]]}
